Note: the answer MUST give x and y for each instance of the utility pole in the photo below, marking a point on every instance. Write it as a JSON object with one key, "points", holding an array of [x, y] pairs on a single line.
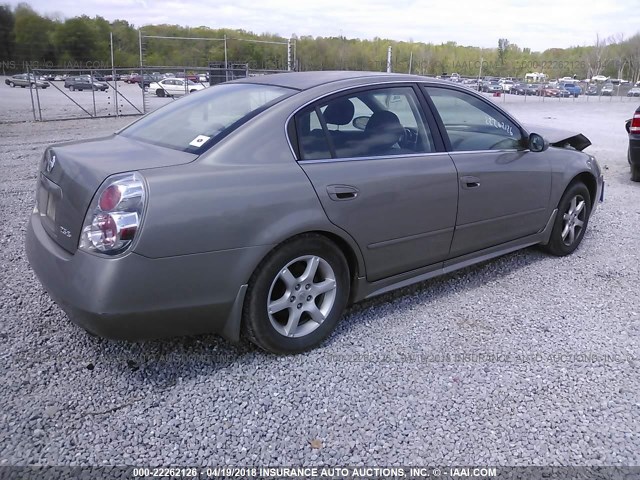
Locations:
{"points": [[113, 74], [389, 59], [226, 64]]}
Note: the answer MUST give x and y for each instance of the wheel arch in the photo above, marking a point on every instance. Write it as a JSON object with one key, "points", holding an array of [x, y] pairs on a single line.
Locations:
{"points": [[589, 181], [242, 323], [348, 247]]}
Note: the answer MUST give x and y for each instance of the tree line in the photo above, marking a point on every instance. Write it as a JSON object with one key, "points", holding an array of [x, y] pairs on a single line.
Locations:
{"points": [[28, 38]]}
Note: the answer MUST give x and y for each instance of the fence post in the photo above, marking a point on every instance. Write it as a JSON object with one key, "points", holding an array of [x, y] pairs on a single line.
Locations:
{"points": [[93, 92], [144, 104], [113, 75], [33, 105], [37, 96]]}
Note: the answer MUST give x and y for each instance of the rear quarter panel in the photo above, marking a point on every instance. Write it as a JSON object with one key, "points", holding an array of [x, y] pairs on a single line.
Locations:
{"points": [[246, 191]]}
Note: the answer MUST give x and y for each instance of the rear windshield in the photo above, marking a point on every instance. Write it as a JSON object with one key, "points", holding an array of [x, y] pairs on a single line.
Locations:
{"points": [[194, 123]]}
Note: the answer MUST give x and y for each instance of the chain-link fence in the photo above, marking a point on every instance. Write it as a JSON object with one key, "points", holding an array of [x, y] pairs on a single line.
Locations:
{"points": [[63, 94], [60, 94]]}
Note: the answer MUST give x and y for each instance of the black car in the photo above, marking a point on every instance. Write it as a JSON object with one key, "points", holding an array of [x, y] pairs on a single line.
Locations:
{"points": [[525, 89], [147, 80], [591, 90], [85, 83], [519, 89], [633, 128]]}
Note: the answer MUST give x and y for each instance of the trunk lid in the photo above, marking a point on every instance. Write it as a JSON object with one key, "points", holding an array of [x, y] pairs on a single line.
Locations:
{"points": [[70, 173]]}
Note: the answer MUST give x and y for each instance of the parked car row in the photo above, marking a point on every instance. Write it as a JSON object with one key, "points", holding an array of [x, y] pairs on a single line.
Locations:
{"points": [[160, 85], [157, 76]]}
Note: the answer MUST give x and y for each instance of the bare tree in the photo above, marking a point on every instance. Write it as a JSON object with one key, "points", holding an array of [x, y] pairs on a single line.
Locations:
{"points": [[618, 48], [597, 58], [633, 57]]}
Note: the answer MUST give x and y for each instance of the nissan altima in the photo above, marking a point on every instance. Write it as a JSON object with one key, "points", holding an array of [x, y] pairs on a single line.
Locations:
{"points": [[262, 207]]}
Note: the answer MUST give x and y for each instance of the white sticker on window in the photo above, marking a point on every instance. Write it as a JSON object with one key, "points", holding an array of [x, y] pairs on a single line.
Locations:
{"points": [[499, 125], [199, 140]]}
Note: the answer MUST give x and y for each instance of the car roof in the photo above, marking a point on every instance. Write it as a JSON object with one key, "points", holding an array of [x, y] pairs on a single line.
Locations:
{"points": [[307, 80]]}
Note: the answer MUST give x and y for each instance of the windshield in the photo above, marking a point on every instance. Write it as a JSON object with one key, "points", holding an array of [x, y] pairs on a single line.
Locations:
{"points": [[193, 123]]}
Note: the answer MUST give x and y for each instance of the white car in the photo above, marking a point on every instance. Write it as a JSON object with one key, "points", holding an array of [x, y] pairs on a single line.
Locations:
{"points": [[599, 78], [507, 85], [170, 87], [634, 92]]}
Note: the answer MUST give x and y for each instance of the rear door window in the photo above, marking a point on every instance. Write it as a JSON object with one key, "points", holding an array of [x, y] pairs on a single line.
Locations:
{"points": [[377, 122]]}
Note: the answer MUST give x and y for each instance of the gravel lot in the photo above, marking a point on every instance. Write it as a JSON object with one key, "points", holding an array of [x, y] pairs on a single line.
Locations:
{"points": [[525, 360]]}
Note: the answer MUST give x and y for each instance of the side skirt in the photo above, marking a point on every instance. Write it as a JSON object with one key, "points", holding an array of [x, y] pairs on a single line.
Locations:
{"points": [[365, 289]]}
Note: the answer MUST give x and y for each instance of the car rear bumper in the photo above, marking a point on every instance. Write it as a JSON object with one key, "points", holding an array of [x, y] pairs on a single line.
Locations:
{"points": [[133, 297]]}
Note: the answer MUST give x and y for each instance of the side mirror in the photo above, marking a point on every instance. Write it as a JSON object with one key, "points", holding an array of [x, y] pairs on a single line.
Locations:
{"points": [[627, 126], [537, 143]]}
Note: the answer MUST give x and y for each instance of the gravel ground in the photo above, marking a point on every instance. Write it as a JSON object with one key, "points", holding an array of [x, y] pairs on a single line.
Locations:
{"points": [[525, 360]]}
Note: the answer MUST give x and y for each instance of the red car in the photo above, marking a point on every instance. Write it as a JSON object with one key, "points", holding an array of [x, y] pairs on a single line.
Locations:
{"points": [[188, 76], [551, 91]]}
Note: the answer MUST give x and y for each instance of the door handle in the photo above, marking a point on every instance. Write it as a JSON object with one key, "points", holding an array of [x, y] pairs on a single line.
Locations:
{"points": [[469, 181], [342, 192]]}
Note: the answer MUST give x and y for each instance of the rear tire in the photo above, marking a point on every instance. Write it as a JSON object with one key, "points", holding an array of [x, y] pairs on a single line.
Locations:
{"points": [[160, 92], [571, 220], [296, 295], [635, 173]]}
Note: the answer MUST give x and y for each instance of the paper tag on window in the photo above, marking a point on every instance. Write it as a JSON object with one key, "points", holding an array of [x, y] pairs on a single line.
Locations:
{"points": [[199, 141]]}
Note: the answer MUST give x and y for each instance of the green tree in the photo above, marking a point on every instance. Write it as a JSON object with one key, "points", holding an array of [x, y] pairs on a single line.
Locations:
{"points": [[32, 35], [7, 36]]}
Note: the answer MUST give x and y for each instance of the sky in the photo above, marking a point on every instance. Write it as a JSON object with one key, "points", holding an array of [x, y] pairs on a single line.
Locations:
{"points": [[539, 24]]}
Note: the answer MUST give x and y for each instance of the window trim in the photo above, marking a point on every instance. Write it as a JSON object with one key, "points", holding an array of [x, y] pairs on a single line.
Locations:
{"points": [[443, 131]]}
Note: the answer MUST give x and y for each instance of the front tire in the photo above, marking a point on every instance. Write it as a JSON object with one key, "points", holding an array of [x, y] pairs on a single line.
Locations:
{"points": [[12, 85], [297, 295], [571, 221]]}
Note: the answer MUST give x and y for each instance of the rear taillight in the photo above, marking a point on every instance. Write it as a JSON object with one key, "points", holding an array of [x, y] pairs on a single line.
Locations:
{"points": [[635, 123], [115, 215]]}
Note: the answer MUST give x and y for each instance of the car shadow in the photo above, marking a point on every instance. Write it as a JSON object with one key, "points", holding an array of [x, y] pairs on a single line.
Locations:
{"points": [[166, 363], [463, 280]]}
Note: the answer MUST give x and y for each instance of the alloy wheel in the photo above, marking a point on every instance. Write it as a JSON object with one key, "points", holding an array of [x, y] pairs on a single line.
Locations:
{"points": [[301, 296], [573, 220]]}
